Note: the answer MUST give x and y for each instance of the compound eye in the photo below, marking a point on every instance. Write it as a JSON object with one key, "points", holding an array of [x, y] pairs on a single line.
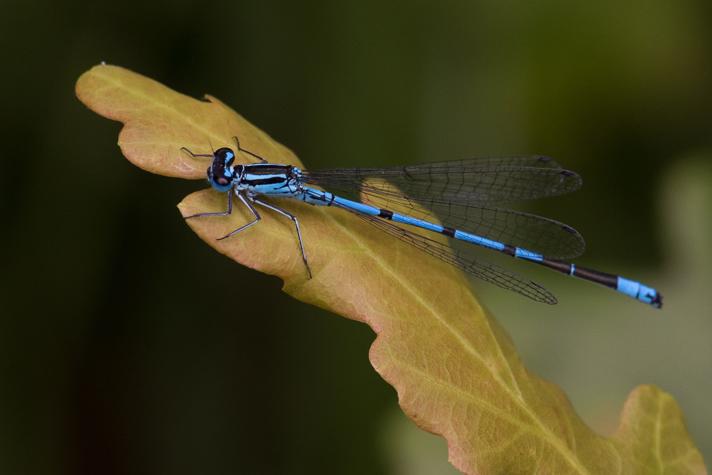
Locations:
{"points": [[225, 155], [219, 179]]}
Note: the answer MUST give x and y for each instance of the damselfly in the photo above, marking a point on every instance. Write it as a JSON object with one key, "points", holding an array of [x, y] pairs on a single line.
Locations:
{"points": [[464, 195]]}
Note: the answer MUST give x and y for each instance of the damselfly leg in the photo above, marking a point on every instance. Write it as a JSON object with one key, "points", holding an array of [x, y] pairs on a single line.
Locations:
{"points": [[227, 212], [296, 225], [194, 155], [237, 142], [244, 226]]}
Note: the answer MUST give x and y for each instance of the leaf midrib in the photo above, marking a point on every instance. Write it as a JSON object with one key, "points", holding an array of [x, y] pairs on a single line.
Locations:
{"points": [[165, 106], [550, 437]]}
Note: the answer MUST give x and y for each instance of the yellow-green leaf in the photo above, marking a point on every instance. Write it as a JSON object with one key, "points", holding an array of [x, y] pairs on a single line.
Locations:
{"points": [[455, 369]]}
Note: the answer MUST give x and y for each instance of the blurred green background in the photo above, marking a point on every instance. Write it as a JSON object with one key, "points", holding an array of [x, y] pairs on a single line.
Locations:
{"points": [[114, 358]]}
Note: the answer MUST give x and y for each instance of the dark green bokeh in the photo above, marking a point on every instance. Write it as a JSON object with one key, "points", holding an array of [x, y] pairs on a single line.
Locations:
{"points": [[119, 352]]}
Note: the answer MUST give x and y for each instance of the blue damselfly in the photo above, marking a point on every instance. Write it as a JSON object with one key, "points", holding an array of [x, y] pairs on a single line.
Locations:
{"points": [[465, 195]]}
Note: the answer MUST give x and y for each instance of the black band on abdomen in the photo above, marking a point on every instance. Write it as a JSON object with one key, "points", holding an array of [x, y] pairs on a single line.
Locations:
{"points": [[563, 267], [609, 280], [384, 213], [448, 231]]}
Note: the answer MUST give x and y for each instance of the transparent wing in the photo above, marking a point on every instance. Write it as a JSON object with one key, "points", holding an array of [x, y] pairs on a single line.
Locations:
{"points": [[461, 195], [474, 181], [517, 228], [464, 261]]}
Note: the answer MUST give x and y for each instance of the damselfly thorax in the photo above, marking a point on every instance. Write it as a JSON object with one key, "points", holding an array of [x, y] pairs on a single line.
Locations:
{"points": [[269, 179]]}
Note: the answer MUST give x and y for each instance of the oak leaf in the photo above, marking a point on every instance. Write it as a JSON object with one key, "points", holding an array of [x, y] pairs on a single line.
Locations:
{"points": [[455, 369]]}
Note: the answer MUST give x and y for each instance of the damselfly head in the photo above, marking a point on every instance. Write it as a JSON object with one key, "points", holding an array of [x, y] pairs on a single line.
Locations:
{"points": [[221, 172]]}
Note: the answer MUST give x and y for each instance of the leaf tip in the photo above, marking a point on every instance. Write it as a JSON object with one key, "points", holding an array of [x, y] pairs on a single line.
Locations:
{"points": [[88, 77], [653, 427]]}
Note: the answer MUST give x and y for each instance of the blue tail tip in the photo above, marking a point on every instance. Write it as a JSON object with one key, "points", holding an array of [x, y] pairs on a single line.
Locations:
{"points": [[650, 296], [657, 300], [640, 292]]}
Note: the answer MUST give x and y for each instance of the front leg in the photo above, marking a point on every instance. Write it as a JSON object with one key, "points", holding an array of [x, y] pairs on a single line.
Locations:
{"points": [[227, 212], [237, 142], [195, 155]]}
